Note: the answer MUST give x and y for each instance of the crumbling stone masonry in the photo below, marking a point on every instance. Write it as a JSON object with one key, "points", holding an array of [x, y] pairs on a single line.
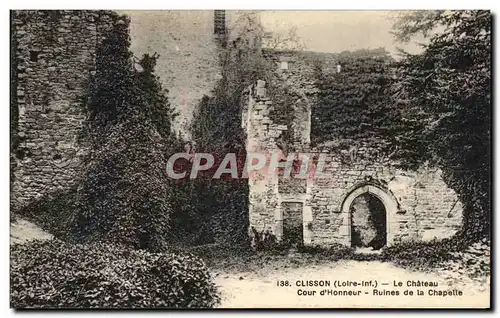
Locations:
{"points": [[418, 204], [53, 58], [189, 43]]}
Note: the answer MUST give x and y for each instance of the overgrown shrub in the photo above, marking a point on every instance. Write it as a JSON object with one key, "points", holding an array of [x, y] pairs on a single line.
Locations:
{"points": [[266, 242], [454, 254], [293, 235], [53, 274], [422, 255], [124, 196], [262, 240], [53, 212]]}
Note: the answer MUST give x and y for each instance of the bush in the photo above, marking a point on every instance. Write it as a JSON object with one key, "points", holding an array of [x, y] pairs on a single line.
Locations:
{"points": [[334, 252], [422, 255], [53, 274], [52, 212], [262, 240], [293, 235], [124, 196]]}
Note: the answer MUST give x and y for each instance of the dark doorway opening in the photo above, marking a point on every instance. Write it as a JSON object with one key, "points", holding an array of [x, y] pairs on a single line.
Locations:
{"points": [[368, 222], [293, 228]]}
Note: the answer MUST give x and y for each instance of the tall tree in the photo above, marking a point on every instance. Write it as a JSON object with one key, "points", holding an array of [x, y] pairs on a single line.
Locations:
{"points": [[446, 93]]}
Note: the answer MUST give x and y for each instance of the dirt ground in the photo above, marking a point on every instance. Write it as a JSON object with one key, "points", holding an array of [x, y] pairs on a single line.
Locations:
{"points": [[259, 289], [22, 231]]}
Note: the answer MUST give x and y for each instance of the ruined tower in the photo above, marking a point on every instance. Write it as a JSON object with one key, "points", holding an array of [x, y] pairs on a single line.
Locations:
{"points": [[53, 56], [189, 44]]}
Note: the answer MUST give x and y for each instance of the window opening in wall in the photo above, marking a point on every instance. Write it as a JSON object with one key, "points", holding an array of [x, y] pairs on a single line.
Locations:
{"points": [[34, 56]]}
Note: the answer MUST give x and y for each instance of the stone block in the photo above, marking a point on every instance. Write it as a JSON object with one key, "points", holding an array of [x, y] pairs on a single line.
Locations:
{"points": [[261, 92]]}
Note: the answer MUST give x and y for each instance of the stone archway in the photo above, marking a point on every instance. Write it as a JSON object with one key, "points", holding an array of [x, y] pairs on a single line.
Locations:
{"points": [[387, 199], [368, 222]]}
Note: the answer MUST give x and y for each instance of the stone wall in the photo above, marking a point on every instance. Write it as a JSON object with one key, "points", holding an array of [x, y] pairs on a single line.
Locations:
{"points": [[189, 51], [424, 206], [418, 204], [262, 134], [54, 55], [188, 64]]}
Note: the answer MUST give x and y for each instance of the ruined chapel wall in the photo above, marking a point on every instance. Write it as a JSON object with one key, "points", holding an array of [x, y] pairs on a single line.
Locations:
{"points": [[427, 208]]}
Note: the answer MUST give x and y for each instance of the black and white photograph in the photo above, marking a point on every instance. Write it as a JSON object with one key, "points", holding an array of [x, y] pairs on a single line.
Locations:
{"points": [[257, 159]]}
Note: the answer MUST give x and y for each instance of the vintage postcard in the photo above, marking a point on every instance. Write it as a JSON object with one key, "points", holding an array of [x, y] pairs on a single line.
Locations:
{"points": [[250, 159]]}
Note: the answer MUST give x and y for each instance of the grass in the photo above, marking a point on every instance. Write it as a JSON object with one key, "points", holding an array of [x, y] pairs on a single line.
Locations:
{"points": [[421, 256], [224, 258]]}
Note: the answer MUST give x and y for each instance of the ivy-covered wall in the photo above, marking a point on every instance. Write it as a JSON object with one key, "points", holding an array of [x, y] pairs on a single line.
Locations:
{"points": [[54, 56], [420, 205]]}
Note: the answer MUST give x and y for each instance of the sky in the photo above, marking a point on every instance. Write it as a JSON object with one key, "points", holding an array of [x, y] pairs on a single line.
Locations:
{"points": [[336, 31]]}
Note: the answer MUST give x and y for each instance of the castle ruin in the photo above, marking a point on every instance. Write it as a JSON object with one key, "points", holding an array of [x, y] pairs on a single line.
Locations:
{"points": [[54, 54]]}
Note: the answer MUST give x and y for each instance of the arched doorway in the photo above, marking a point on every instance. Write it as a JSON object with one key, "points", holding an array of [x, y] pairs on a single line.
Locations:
{"points": [[368, 222], [381, 200]]}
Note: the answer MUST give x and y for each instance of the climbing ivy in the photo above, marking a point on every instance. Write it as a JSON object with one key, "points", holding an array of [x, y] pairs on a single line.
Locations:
{"points": [[446, 89], [221, 206], [354, 106], [124, 195]]}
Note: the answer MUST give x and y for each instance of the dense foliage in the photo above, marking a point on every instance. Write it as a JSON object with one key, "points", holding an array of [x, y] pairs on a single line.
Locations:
{"points": [[422, 255], [430, 108], [156, 106], [124, 195], [354, 106], [446, 89], [220, 207], [53, 274], [121, 89], [454, 254]]}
